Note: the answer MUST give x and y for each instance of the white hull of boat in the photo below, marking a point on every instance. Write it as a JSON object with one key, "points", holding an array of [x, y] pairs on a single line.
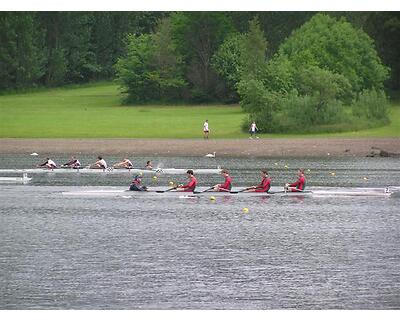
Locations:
{"points": [[112, 171], [315, 192]]}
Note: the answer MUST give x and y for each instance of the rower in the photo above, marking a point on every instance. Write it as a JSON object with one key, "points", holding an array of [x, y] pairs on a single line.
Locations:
{"points": [[74, 163], [265, 184], [126, 163], [135, 184], [99, 164], [227, 185], [299, 185], [149, 165], [49, 164], [191, 185]]}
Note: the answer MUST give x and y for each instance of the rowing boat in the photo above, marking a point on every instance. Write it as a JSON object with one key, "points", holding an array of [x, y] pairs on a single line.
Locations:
{"points": [[313, 191], [113, 171]]}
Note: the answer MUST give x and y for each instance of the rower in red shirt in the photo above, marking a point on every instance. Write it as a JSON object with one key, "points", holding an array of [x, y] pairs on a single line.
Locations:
{"points": [[191, 185], [299, 185], [227, 185], [265, 184]]}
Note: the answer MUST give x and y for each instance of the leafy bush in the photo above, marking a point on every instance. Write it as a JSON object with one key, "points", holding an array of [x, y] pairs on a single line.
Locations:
{"points": [[152, 70], [372, 104]]}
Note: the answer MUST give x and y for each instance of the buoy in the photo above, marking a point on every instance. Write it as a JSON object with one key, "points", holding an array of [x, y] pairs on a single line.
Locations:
{"points": [[308, 170], [286, 166], [365, 178], [212, 198], [171, 183], [276, 163], [155, 178], [245, 210]]}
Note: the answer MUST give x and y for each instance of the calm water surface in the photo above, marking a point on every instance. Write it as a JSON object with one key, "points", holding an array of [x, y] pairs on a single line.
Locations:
{"points": [[163, 252]]}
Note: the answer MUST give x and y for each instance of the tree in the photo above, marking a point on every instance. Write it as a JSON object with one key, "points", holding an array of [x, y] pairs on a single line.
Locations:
{"points": [[337, 46], [21, 57], [197, 36], [152, 69]]}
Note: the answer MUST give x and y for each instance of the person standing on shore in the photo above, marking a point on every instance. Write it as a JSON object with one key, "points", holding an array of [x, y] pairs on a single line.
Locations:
{"points": [[253, 130], [206, 129]]}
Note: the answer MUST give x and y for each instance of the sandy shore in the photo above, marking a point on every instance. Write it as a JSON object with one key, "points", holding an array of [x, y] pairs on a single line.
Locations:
{"points": [[198, 147]]}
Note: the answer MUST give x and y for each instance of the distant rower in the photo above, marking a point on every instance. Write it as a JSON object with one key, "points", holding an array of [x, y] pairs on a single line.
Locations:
{"points": [[49, 164], [227, 185], [136, 184], [299, 185], [191, 185], [265, 184], [149, 165], [74, 163], [99, 164], [126, 163]]}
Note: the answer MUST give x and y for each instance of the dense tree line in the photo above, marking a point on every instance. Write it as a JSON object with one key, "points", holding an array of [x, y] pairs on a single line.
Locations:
{"points": [[56, 48]]}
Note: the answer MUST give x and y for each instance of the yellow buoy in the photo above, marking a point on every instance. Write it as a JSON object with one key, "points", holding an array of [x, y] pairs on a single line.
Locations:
{"points": [[212, 198], [286, 166], [333, 174], [308, 170], [245, 210], [155, 178], [365, 178], [171, 183]]}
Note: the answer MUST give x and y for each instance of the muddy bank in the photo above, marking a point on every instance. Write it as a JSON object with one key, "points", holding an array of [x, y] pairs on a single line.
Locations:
{"points": [[198, 147]]}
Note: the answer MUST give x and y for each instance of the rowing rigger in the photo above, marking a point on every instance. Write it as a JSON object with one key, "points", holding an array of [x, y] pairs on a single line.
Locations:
{"points": [[111, 170], [313, 191]]}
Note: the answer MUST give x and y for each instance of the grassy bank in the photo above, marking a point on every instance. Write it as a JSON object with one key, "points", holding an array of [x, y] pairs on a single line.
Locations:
{"points": [[94, 111]]}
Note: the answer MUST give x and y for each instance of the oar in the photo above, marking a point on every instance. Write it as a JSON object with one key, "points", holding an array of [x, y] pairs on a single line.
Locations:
{"points": [[243, 190], [162, 191], [203, 190]]}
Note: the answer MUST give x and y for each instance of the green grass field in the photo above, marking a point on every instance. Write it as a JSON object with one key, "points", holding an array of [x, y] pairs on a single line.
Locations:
{"points": [[94, 111]]}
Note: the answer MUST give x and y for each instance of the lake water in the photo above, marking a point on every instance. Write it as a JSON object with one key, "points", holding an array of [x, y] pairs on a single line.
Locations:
{"points": [[162, 252]]}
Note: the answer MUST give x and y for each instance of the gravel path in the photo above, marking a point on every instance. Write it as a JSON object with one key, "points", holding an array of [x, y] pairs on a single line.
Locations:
{"points": [[198, 147]]}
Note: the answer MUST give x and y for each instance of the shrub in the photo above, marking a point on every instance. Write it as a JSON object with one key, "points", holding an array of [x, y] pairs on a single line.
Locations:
{"points": [[372, 104]]}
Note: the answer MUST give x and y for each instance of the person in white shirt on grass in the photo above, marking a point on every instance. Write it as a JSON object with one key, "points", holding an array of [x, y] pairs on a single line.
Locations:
{"points": [[206, 130]]}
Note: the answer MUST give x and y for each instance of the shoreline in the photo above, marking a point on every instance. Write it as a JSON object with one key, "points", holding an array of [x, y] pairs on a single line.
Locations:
{"points": [[275, 147]]}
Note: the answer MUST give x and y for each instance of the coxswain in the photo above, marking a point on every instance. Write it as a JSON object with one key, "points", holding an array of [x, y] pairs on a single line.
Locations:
{"points": [[149, 165], [227, 185], [126, 163], [191, 185], [265, 184], [299, 185], [99, 164], [136, 184], [49, 164], [74, 163]]}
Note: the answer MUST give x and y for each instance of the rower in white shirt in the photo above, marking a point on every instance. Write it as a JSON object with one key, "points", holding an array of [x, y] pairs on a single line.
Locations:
{"points": [[126, 163], [49, 164], [99, 164]]}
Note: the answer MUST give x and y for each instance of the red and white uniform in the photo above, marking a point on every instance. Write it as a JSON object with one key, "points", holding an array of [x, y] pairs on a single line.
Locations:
{"points": [[190, 186], [227, 186], [264, 186], [299, 184]]}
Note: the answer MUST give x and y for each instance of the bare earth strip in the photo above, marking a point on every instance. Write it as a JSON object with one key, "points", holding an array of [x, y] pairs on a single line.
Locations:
{"points": [[277, 147]]}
